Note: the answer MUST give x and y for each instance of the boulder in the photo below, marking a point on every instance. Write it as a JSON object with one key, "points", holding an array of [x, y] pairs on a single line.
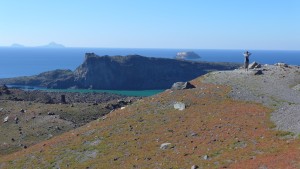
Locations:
{"points": [[254, 65], [259, 72], [205, 157], [179, 106], [5, 119], [165, 146], [182, 86], [16, 120], [51, 113], [194, 167]]}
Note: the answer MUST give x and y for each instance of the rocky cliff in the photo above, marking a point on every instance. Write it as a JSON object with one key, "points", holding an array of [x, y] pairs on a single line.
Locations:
{"points": [[131, 72]]}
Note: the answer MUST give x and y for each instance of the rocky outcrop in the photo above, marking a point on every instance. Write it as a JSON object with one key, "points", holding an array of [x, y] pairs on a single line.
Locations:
{"points": [[182, 86], [280, 64], [131, 72]]}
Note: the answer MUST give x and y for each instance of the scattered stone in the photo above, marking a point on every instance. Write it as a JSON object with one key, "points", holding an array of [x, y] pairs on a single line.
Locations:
{"points": [[182, 86], [122, 108], [281, 64], [50, 113], [16, 120], [179, 106], [259, 72], [165, 146], [1, 109], [194, 134], [194, 167], [205, 157], [57, 128], [22, 111], [254, 65], [5, 119]]}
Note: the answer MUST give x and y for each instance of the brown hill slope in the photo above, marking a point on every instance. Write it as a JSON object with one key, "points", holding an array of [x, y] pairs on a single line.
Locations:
{"points": [[213, 131], [36, 116]]}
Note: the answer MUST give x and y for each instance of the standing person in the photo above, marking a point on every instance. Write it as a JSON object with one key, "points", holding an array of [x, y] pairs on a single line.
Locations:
{"points": [[246, 62]]}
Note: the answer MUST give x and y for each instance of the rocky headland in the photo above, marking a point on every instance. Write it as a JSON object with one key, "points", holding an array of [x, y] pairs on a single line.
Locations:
{"points": [[131, 72]]}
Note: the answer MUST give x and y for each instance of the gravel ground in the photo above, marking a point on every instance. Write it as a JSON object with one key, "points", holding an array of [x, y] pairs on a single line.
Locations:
{"points": [[274, 88]]}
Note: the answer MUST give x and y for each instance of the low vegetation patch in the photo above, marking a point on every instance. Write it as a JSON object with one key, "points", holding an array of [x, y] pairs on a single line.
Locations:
{"points": [[213, 131]]}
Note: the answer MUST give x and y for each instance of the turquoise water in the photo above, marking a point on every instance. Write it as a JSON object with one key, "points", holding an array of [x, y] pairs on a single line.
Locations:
{"points": [[138, 93]]}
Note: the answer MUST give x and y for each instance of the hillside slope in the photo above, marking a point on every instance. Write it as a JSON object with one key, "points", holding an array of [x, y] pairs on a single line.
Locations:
{"points": [[213, 131], [35, 116]]}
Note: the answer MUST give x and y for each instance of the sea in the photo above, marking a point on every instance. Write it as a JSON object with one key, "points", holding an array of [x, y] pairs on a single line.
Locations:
{"points": [[16, 62]]}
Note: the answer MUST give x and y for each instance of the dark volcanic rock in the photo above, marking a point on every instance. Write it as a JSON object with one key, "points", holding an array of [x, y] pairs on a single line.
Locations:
{"points": [[259, 72], [131, 72], [138, 73]]}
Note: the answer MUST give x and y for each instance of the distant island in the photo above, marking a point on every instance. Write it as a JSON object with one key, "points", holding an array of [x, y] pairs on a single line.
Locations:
{"points": [[187, 55], [50, 45]]}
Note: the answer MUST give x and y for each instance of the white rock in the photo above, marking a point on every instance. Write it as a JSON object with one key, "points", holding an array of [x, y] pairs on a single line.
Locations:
{"points": [[5, 119], [194, 167], [281, 64], [165, 146], [205, 157], [179, 106], [122, 108]]}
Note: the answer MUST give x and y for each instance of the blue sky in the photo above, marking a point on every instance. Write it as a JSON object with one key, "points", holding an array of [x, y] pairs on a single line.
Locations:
{"points": [[194, 24]]}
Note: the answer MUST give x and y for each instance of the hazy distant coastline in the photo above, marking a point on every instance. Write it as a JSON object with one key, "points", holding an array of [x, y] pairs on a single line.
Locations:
{"points": [[49, 45]]}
